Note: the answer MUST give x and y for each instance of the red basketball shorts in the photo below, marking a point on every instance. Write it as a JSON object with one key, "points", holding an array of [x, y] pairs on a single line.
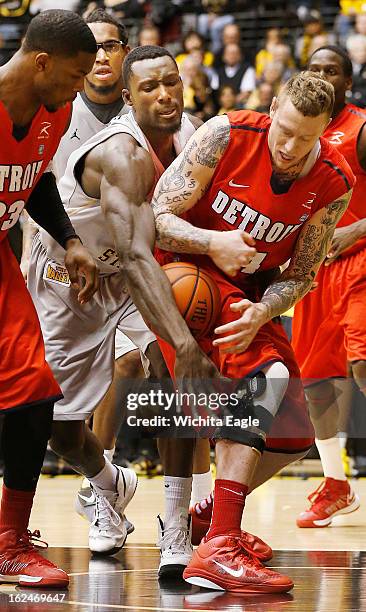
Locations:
{"points": [[291, 430], [329, 324], [25, 377]]}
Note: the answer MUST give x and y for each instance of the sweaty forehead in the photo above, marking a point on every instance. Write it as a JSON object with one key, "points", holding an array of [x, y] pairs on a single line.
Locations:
{"points": [[326, 57], [153, 68]]}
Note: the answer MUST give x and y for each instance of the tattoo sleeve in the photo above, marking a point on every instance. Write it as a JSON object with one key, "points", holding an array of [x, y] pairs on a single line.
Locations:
{"points": [[310, 251], [184, 183]]}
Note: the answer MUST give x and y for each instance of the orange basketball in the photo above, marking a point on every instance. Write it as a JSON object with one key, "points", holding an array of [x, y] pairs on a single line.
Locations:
{"points": [[196, 294]]}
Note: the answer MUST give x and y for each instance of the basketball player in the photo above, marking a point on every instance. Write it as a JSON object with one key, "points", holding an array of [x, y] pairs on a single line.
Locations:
{"points": [[279, 180], [106, 189], [92, 110], [36, 88], [329, 326]]}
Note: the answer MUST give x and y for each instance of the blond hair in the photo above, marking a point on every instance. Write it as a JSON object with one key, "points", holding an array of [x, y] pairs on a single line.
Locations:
{"points": [[310, 94]]}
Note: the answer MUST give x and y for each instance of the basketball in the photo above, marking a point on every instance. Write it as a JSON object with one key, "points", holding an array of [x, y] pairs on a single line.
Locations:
{"points": [[196, 294]]}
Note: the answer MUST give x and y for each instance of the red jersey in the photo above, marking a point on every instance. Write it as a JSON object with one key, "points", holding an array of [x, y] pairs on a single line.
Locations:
{"points": [[343, 132], [23, 162], [240, 195]]}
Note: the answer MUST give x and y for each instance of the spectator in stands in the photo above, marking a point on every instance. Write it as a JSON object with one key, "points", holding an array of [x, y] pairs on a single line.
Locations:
{"points": [[37, 6], [193, 43], [282, 53], [320, 40], [360, 22], [149, 35], [265, 54], [313, 26], [261, 98], [197, 92], [356, 47], [236, 72], [212, 22], [230, 35], [350, 9], [121, 9], [227, 100]]}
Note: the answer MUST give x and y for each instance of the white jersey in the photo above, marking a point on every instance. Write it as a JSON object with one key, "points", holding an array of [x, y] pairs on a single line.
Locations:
{"points": [[85, 212], [83, 125]]}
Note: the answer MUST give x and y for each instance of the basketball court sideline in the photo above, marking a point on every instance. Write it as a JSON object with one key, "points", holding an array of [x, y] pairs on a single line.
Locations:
{"points": [[327, 566]]}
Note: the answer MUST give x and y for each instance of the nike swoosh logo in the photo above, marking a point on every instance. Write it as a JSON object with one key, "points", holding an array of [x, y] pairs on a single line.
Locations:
{"points": [[232, 572], [306, 206], [88, 500], [231, 491], [232, 184]]}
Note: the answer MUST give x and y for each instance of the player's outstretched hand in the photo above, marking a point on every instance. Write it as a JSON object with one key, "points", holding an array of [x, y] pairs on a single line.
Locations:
{"points": [[240, 333], [192, 363], [343, 238], [231, 251], [80, 264]]}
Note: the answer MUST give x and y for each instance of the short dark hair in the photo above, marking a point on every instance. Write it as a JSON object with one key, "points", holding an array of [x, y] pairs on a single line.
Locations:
{"points": [[346, 62], [100, 15], [141, 53], [59, 32]]}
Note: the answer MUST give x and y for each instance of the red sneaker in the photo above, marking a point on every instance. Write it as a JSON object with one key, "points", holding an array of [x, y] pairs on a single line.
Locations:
{"points": [[201, 518], [20, 562], [331, 498], [223, 563]]}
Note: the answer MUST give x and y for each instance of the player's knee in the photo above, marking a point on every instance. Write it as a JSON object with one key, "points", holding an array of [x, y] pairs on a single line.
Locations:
{"points": [[129, 365], [359, 374], [320, 396], [259, 399], [68, 438]]}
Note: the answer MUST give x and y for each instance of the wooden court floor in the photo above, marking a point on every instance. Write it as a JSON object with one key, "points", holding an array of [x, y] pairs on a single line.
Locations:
{"points": [[327, 565]]}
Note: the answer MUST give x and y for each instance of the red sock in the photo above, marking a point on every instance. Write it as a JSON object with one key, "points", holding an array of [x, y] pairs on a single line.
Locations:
{"points": [[15, 510], [229, 502]]}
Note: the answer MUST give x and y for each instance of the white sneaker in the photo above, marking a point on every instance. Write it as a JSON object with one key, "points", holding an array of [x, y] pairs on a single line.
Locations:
{"points": [[107, 532], [125, 486], [175, 546], [85, 500]]}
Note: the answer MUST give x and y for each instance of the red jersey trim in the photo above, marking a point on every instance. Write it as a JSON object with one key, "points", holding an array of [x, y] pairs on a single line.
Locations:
{"points": [[339, 171]]}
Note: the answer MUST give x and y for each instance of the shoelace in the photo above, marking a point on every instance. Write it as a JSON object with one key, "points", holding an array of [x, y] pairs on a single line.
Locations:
{"points": [[29, 542], [174, 538], [243, 554], [32, 538], [104, 513], [321, 494]]}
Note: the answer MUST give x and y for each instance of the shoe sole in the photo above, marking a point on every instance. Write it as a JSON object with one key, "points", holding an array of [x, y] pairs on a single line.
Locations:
{"points": [[326, 522], [29, 581], [208, 583], [171, 571], [108, 553]]}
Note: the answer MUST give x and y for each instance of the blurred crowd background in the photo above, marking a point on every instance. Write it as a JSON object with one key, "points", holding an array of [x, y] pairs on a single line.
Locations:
{"points": [[232, 54]]}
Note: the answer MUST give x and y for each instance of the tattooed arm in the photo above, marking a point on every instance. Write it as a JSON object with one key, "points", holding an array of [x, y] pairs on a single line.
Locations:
{"points": [[310, 251], [181, 187]]}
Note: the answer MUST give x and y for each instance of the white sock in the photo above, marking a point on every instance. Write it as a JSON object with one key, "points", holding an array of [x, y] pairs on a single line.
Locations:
{"points": [[177, 495], [342, 437], [108, 453], [201, 487], [330, 456], [105, 480]]}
